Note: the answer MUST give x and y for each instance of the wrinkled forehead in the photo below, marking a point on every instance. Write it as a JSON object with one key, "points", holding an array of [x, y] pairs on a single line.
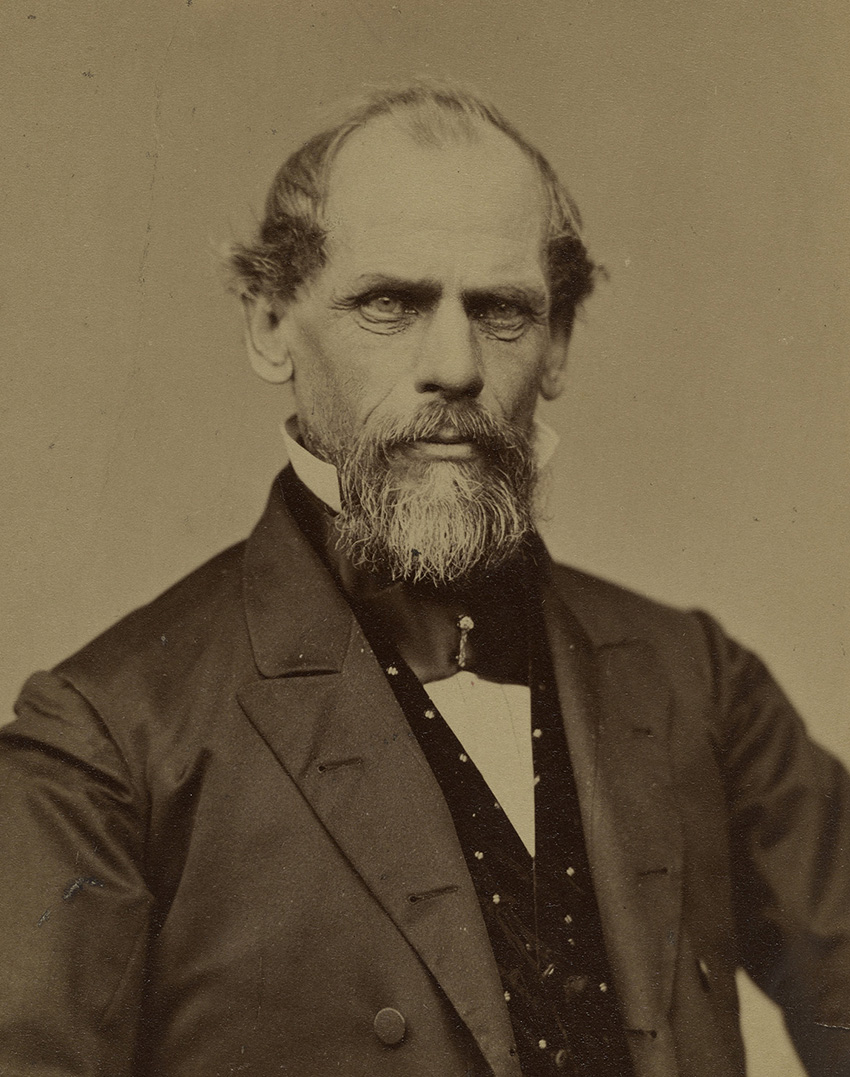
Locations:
{"points": [[385, 178]]}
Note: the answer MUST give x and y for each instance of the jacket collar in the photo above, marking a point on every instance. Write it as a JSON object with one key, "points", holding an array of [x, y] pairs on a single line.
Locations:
{"points": [[298, 620]]}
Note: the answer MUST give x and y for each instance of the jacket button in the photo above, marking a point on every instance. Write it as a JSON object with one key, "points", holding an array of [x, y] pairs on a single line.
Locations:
{"points": [[389, 1026]]}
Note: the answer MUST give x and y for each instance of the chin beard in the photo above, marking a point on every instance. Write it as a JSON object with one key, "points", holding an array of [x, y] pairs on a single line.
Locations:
{"points": [[436, 521]]}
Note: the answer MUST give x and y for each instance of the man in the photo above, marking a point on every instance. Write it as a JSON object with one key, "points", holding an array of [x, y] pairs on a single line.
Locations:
{"points": [[381, 790]]}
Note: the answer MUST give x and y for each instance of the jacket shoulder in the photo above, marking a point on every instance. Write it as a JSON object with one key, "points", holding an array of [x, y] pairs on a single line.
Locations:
{"points": [[195, 622], [611, 613], [688, 645]]}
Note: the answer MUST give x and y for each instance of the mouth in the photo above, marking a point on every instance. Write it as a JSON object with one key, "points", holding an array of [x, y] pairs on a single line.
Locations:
{"points": [[447, 443]]}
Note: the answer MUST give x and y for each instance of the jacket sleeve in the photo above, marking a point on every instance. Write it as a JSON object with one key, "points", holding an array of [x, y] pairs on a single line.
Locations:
{"points": [[73, 905], [789, 819]]}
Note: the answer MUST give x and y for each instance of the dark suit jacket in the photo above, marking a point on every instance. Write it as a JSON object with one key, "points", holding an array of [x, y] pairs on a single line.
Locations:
{"points": [[213, 818]]}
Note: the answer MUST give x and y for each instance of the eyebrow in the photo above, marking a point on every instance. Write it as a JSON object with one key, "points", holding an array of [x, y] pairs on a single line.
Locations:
{"points": [[530, 295], [425, 290]]}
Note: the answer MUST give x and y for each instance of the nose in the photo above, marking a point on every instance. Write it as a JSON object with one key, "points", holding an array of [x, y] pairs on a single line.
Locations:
{"points": [[449, 361]]}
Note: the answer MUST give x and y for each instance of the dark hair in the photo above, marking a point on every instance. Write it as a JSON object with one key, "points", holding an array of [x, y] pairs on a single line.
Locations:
{"points": [[289, 247]]}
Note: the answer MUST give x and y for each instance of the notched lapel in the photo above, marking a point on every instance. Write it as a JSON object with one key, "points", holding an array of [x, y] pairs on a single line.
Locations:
{"points": [[616, 705], [344, 741]]}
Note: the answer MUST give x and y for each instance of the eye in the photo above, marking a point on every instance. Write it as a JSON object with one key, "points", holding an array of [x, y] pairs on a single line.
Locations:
{"points": [[386, 308], [503, 318]]}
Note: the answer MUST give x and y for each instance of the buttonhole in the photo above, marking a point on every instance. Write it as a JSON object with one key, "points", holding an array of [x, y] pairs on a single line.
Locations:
{"points": [[643, 731], [426, 894], [643, 1032], [655, 871], [335, 764]]}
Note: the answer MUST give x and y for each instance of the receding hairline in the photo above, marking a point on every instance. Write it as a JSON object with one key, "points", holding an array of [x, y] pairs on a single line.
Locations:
{"points": [[388, 128], [435, 113]]}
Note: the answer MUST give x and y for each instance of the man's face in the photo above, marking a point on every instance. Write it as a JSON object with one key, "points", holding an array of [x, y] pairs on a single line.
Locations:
{"points": [[419, 349], [434, 290]]}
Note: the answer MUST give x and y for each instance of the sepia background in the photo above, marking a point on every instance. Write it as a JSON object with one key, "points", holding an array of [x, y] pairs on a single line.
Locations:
{"points": [[704, 431]]}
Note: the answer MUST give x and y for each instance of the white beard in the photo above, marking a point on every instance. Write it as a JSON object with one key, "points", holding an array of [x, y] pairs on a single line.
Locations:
{"points": [[436, 520]]}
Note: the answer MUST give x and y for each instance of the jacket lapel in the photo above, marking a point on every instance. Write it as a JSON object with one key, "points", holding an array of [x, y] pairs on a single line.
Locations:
{"points": [[326, 711], [617, 708]]}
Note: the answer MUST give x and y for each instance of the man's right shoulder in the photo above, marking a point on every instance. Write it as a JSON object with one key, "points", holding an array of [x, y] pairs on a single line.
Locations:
{"points": [[192, 633], [186, 654], [155, 675], [191, 611]]}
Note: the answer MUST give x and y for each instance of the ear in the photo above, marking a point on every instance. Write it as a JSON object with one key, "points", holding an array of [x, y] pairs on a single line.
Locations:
{"points": [[265, 339], [555, 364]]}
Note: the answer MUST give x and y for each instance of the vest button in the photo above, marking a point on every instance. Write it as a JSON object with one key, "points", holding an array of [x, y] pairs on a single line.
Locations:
{"points": [[561, 1059], [389, 1026]]}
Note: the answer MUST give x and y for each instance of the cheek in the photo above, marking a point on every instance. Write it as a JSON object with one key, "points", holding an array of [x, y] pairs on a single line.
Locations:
{"points": [[322, 375], [514, 380], [358, 367], [376, 374], [336, 397], [328, 405]]}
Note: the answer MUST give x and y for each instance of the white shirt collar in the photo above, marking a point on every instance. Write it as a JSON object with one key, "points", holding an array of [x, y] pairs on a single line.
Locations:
{"points": [[318, 476], [321, 478]]}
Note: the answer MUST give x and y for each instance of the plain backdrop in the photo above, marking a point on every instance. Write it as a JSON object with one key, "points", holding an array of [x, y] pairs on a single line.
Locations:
{"points": [[704, 430]]}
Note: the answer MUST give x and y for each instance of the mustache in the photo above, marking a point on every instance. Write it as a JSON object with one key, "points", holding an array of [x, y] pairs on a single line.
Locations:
{"points": [[467, 421]]}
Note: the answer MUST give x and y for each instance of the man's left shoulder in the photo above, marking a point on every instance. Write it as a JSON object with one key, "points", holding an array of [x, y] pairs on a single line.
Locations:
{"points": [[687, 646], [611, 613]]}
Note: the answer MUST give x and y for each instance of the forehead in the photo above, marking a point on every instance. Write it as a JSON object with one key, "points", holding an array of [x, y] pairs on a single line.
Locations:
{"points": [[389, 195]]}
